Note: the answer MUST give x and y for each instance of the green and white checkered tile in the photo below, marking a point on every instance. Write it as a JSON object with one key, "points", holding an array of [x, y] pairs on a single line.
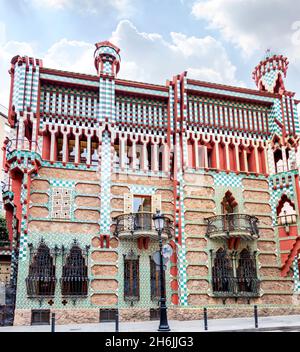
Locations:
{"points": [[224, 179], [296, 274], [62, 183], [105, 185], [142, 190]]}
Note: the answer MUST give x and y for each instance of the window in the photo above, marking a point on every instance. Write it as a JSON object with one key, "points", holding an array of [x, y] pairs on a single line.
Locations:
{"points": [[141, 204], [40, 317], [94, 151], [74, 281], [107, 315], [41, 278], [155, 280], [149, 156], [209, 157], [142, 210], [246, 273], [286, 213], [131, 279], [234, 275], [222, 272], [71, 149], [83, 150], [279, 167], [60, 148], [154, 314]]}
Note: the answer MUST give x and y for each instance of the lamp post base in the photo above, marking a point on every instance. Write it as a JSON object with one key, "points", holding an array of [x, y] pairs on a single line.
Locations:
{"points": [[164, 328]]}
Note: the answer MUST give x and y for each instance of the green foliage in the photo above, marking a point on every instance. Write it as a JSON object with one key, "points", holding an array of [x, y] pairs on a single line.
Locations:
{"points": [[3, 229]]}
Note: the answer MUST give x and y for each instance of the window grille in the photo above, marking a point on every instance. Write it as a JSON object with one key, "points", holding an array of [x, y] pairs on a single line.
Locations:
{"points": [[41, 279], [155, 280], [131, 279], [234, 275], [246, 273], [74, 281], [154, 313], [107, 315], [40, 317], [222, 272]]}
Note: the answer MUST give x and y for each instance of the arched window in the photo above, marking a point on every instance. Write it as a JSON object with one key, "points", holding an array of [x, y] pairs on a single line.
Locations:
{"points": [[246, 272], [222, 272], [74, 281], [279, 167], [83, 149], [94, 150], [149, 155], [71, 148], [286, 213], [41, 278], [59, 146]]}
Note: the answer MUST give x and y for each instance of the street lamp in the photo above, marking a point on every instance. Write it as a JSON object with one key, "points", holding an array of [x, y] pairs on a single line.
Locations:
{"points": [[159, 223]]}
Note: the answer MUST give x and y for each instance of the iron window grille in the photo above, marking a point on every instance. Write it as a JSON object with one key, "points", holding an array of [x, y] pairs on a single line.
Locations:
{"points": [[155, 280], [154, 313], [41, 280], [234, 275], [131, 278], [74, 281], [40, 317], [108, 315]]}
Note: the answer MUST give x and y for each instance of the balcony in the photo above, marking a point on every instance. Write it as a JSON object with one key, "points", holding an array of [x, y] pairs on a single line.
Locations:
{"points": [[232, 225], [135, 225]]}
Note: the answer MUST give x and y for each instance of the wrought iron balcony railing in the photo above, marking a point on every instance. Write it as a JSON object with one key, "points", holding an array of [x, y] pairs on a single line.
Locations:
{"points": [[22, 144], [135, 225], [232, 225]]}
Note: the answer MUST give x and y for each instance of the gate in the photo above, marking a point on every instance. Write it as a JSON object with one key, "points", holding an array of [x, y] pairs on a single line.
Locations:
{"points": [[7, 310]]}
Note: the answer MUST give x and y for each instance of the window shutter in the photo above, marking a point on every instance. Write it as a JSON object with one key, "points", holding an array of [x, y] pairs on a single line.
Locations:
{"points": [[128, 203], [156, 203]]}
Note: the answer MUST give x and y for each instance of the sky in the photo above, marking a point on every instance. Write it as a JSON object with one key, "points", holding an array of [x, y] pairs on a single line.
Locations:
{"points": [[213, 40]]}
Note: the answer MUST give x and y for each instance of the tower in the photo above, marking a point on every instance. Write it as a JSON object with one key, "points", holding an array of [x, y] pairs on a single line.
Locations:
{"points": [[107, 58], [270, 72]]}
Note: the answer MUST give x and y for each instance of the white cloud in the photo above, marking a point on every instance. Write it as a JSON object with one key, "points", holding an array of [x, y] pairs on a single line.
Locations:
{"points": [[7, 52], [145, 57], [149, 57], [253, 25], [2, 33], [124, 8], [56, 4], [71, 55]]}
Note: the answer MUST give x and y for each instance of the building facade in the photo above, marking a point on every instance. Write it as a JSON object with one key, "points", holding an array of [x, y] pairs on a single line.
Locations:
{"points": [[89, 160], [5, 244]]}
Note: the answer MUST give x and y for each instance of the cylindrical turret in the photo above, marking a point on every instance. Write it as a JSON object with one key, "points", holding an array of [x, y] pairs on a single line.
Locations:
{"points": [[107, 58], [269, 73]]}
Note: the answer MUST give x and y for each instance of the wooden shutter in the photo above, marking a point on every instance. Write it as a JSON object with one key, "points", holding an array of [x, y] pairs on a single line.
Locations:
{"points": [[128, 203], [156, 203]]}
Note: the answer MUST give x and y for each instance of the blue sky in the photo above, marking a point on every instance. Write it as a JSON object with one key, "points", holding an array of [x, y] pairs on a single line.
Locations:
{"points": [[214, 40]]}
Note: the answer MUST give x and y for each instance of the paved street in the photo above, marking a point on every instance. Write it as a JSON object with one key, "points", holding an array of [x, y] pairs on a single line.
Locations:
{"points": [[277, 324]]}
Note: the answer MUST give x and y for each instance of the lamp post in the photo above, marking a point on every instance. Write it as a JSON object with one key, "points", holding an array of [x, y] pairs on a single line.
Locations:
{"points": [[159, 222]]}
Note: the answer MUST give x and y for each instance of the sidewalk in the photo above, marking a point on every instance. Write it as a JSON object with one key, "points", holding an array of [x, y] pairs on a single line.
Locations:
{"points": [[276, 323]]}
